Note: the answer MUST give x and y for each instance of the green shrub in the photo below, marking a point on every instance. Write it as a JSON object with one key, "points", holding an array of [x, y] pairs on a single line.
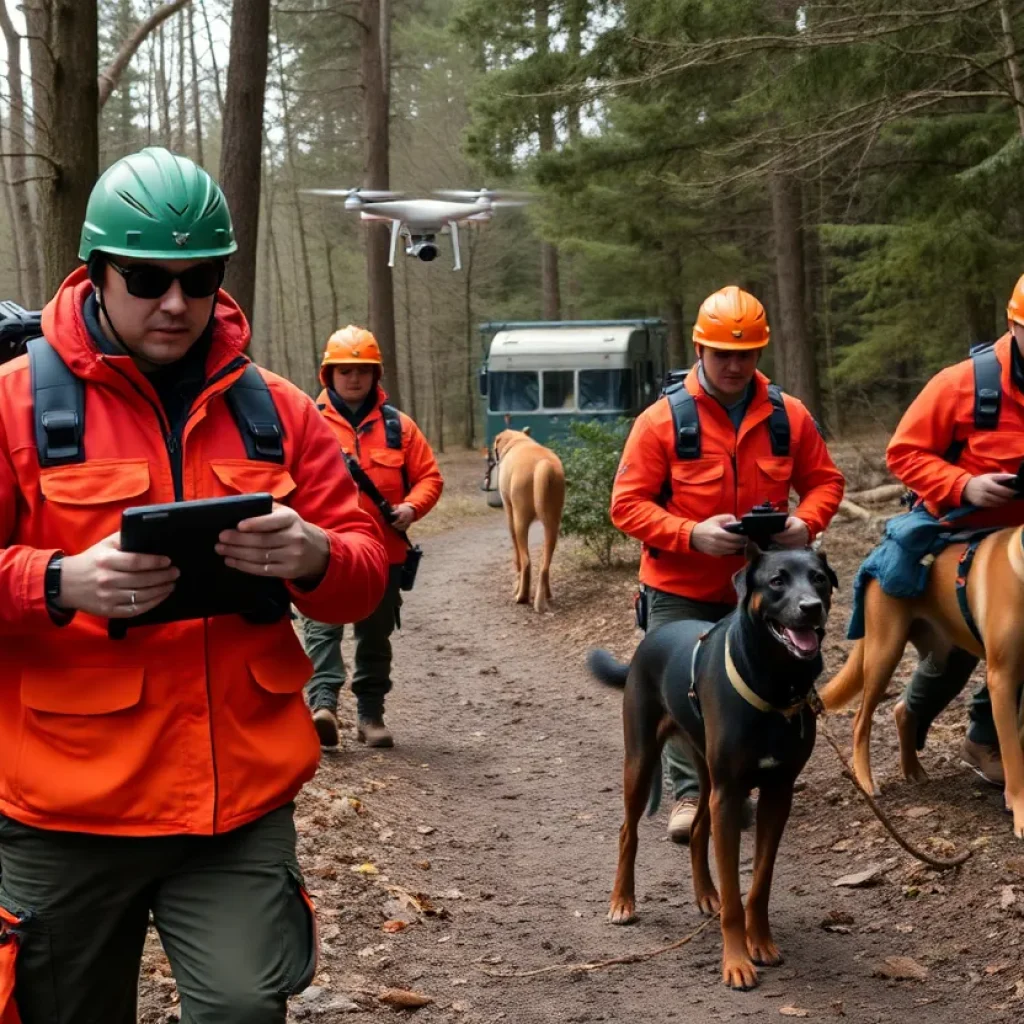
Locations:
{"points": [[590, 456]]}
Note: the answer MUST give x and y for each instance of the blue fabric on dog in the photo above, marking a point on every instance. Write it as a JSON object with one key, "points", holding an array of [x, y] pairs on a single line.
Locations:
{"points": [[904, 556]]}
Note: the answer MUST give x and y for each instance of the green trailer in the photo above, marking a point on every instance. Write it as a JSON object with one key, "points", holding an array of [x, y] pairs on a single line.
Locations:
{"points": [[548, 374], [545, 375]]}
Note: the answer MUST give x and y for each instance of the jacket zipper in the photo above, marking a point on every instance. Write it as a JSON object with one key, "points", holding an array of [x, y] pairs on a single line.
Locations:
{"points": [[173, 442]]}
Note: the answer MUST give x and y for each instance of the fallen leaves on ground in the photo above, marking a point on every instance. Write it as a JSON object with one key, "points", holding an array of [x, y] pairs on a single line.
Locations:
{"points": [[902, 968], [404, 999]]}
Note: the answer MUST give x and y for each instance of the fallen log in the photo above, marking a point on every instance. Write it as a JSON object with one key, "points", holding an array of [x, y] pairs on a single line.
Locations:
{"points": [[855, 511], [884, 493]]}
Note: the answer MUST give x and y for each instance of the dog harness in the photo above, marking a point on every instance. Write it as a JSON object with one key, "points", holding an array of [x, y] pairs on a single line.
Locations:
{"points": [[962, 572], [740, 685]]}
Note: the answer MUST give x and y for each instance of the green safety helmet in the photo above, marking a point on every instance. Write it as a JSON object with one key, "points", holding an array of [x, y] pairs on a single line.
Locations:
{"points": [[155, 205]]}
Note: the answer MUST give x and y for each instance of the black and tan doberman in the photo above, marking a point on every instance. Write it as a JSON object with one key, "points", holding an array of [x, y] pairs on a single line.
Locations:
{"points": [[739, 694]]}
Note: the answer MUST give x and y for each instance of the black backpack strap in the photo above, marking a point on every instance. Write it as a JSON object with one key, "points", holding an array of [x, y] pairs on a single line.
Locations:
{"points": [[778, 421], [685, 422], [393, 436], [988, 396], [58, 400], [988, 387], [392, 426], [253, 408]]}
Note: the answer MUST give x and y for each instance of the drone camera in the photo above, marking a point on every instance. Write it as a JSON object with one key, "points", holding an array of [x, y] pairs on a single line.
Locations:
{"points": [[423, 248]]}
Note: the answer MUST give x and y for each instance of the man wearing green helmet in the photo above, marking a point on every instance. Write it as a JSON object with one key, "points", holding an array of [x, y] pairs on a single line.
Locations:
{"points": [[154, 775]]}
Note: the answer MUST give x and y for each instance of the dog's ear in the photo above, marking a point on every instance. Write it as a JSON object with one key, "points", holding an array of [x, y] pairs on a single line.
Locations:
{"points": [[829, 571], [743, 581], [526, 430]]}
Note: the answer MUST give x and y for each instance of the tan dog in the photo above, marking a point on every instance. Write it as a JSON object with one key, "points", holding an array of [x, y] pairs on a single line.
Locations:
{"points": [[532, 485], [933, 622]]}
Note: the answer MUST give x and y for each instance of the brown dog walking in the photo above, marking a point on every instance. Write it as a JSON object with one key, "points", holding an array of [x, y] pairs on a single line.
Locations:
{"points": [[532, 485]]}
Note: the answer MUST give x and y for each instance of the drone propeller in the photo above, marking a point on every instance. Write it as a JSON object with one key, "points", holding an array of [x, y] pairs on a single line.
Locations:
{"points": [[370, 195], [498, 197]]}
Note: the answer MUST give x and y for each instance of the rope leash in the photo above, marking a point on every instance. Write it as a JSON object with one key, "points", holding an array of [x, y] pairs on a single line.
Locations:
{"points": [[939, 863]]}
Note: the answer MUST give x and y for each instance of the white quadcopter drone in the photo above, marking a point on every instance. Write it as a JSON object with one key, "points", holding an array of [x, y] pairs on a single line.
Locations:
{"points": [[420, 221]]}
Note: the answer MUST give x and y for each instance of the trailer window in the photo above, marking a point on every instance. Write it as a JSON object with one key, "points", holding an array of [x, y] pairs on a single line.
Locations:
{"points": [[513, 391], [605, 390], [559, 389]]}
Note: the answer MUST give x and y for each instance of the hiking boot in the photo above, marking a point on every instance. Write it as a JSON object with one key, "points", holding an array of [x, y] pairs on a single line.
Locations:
{"points": [[680, 820], [985, 760], [326, 723], [372, 731]]}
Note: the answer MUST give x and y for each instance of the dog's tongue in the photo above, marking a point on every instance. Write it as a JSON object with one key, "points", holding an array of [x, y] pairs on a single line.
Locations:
{"points": [[804, 640]]}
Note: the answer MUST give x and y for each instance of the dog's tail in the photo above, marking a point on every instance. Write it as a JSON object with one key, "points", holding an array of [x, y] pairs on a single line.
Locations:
{"points": [[848, 681], [606, 669]]}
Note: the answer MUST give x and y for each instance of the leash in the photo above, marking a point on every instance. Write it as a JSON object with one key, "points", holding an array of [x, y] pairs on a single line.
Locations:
{"points": [[939, 863]]}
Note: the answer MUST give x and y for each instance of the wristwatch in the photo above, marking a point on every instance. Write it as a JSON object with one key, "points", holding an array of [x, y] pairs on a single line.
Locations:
{"points": [[52, 579]]}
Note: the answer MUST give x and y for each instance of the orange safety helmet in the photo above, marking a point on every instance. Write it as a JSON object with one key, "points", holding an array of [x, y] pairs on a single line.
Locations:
{"points": [[350, 346], [731, 319], [1015, 307]]}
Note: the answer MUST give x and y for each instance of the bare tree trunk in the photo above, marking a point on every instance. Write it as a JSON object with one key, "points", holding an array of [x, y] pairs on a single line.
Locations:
{"points": [[677, 356], [1010, 49], [150, 91], [110, 76], [328, 253], [375, 61], [197, 108], [64, 59], [280, 321], [551, 302], [411, 361], [241, 151], [19, 265], [436, 377], [23, 227], [795, 364], [182, 88], [163, 91], [470, 376], [307, 270], [213, 59]]}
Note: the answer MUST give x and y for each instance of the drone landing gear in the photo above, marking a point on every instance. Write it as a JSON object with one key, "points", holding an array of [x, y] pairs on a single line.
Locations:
{"points": [[396, 228], [455, 244]]}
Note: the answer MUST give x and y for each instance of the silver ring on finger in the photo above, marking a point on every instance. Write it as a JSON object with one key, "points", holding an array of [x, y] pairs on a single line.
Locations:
{"points": [[266, 567], [266, 557], [133, 601]]}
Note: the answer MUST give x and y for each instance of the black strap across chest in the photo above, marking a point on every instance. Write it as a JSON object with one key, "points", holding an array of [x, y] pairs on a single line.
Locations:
{"points": [[686, 421], [58, 398]]}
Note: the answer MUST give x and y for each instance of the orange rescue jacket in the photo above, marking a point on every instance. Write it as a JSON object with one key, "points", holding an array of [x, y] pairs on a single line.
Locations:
{"points": [[409, 475], [736, 471], [943, 414], [193, 727]]}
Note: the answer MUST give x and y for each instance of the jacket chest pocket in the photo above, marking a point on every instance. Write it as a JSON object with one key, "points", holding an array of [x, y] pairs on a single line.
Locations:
{"points": [[774, 479], [247, 476], [84, 502], [995, 451], [385, 469], [697, 488]]}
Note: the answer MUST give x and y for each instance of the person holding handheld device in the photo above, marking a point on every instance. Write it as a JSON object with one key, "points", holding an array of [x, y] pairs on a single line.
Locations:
{"points": [[395, 470], [151, 769], [696, 466]]}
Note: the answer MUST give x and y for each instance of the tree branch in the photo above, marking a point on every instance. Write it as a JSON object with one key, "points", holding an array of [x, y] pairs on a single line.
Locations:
{"points": [[111, 74]]}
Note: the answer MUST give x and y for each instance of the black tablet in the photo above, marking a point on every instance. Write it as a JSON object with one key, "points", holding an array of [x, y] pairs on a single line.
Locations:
{"points": [[187, 532]]}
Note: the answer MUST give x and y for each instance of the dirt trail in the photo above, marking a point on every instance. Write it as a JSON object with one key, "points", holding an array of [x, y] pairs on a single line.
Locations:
{"points": [[502, 802]]}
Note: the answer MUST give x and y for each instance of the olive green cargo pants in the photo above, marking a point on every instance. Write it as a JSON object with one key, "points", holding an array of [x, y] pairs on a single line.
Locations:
{"points": [[229, 909]]}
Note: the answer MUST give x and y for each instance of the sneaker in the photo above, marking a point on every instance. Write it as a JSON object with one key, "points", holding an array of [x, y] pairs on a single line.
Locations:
{"points": [[372, 731], [985, 760], [680, 820], [326, 723]]}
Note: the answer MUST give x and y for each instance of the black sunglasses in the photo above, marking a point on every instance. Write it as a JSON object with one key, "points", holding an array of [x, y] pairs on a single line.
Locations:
{"points": [[147, 281]]}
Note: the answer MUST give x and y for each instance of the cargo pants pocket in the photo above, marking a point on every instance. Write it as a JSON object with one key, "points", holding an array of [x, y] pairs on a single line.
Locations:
{"points": [[301, 936]]}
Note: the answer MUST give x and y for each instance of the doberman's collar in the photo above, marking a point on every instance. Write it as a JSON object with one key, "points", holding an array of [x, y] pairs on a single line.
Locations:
{"points": [[739, 684]]}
